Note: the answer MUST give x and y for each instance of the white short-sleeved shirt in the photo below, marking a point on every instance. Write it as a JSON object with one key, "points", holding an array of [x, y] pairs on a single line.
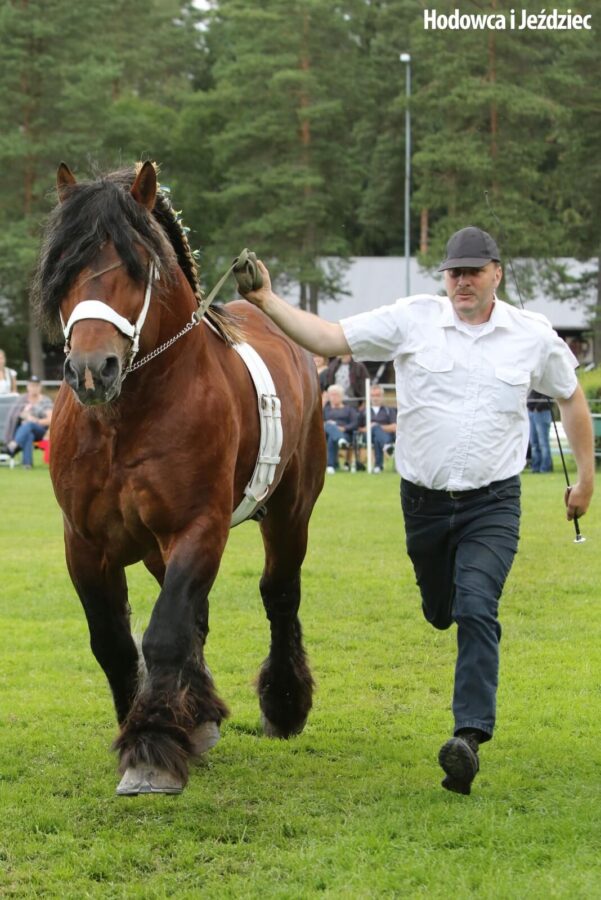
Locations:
{"points": [[461, 391]]}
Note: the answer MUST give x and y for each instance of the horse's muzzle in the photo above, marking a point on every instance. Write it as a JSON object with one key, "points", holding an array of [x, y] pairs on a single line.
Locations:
{"points": [[95, 378]]}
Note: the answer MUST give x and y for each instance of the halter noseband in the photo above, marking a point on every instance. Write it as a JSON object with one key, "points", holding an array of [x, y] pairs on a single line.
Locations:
{"points": [[98, 309]]}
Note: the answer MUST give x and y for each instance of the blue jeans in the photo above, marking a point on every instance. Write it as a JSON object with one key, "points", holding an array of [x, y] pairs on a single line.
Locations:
{"points": [[333, 435], [25, 436], [540, 448], [380, 439], [462, 551]]}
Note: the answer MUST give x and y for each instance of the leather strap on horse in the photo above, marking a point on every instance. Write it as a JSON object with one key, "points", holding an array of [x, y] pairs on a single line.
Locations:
{"points": [[246, 272]]}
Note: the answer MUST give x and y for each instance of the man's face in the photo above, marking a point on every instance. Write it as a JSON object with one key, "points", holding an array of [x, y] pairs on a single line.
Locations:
{"points": [[335, 396], [472, 291], [376, 396]]}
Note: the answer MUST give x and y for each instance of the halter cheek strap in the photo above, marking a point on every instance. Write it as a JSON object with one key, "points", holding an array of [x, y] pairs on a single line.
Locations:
{"points": [[98, 309]]}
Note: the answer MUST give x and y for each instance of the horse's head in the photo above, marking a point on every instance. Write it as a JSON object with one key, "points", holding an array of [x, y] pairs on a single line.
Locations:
{"points": [[104, 310], [103, 247]]}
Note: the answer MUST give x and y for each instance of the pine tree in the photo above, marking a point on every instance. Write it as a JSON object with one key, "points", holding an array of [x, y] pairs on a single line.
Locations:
{"points": [[39, 82], [485, 116], [577, 186], [274, 164], [384, 32], [69, 73], [487, 121], [153, 73]]}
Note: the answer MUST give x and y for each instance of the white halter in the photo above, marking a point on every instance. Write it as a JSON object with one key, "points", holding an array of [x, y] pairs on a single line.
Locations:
{"points": [[98, 309]]}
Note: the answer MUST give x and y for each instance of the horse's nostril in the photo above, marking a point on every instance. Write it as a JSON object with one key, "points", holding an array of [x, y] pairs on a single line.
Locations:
{"points": [[71, 376], [110, 370]]}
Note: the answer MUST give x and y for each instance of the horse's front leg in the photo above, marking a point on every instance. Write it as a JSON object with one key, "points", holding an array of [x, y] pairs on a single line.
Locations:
{"points": [[177, 712], [102, 589]]}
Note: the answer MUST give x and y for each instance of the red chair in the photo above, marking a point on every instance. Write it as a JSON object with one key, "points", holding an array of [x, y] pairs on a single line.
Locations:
{"points": [[45, 446]]}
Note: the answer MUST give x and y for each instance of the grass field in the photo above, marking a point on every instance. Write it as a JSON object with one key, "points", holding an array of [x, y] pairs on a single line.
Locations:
{"points": [[351, 808]]}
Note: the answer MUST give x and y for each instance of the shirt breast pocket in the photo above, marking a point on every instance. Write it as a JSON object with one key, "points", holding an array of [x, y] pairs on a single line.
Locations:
{"points": [[511, 389], [429, 373], [433, 361]]}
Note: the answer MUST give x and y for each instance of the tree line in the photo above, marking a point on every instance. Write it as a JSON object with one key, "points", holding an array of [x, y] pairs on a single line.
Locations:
{"points": [[281, 126]]}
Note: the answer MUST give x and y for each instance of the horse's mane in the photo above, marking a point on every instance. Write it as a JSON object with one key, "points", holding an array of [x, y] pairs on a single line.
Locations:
{"points": [[96, 211]]}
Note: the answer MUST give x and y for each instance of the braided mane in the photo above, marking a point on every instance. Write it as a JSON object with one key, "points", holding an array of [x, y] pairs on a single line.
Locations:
{"points": [[224, 321], [96, 211]]}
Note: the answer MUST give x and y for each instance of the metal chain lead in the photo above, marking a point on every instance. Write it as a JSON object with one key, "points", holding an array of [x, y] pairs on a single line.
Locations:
{"points": [[158, 350]]}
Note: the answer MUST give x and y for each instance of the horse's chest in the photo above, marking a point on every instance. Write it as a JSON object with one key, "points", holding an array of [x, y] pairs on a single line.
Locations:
{"points": [[103, 502]]}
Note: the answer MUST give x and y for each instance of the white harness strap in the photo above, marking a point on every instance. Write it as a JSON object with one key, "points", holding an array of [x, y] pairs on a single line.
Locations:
{"points": [[270, 444], [98, 309]]}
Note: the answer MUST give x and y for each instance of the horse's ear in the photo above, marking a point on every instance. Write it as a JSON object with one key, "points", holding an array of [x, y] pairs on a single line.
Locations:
{"points": [[144, 188], [65, 179]]}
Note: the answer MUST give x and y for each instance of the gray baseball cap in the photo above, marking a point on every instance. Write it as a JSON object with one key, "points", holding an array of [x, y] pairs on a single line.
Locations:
{"points": [[470, 248]]}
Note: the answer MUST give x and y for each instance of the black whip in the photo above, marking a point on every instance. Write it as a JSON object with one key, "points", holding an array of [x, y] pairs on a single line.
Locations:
{"points": [[579, 539]]}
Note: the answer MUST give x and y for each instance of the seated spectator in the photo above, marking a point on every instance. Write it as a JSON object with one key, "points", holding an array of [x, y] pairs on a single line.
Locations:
{"points": [[349, 374], [28, 421], [383, 426], [8, 377], [340, 422]]}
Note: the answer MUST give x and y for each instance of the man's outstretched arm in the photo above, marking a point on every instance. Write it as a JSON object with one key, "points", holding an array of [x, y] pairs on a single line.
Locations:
{"points": [[311, 332]]}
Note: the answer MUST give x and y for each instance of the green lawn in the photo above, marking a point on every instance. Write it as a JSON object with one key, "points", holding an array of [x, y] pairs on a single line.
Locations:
{"points": [[351, 808]]}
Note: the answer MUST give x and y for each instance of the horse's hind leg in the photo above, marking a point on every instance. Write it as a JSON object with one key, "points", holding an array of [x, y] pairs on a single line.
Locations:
{"points": [[285, 684]]}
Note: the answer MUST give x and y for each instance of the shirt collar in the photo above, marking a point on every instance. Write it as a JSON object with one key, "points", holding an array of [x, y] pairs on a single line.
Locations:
{"points": [[499, 317]]}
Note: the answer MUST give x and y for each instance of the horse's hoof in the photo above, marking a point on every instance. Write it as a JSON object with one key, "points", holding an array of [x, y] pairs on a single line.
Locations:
{"points": [[272, 731], [205, 737], [142, 780], [269, 728]]}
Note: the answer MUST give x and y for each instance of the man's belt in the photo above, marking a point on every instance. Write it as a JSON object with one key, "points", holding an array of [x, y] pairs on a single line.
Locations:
{"points": [[416, 490]]}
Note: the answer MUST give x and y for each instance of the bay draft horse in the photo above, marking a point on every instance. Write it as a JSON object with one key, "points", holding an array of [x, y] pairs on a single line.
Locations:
{"points": [[149, 461]]}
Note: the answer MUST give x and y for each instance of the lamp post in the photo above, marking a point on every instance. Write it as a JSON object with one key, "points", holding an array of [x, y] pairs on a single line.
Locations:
{"points": [[406, 59]]}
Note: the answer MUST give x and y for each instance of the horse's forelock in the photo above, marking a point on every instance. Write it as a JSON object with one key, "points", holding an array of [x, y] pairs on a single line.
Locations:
{"points": [[96, 211], [93, 213]]}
